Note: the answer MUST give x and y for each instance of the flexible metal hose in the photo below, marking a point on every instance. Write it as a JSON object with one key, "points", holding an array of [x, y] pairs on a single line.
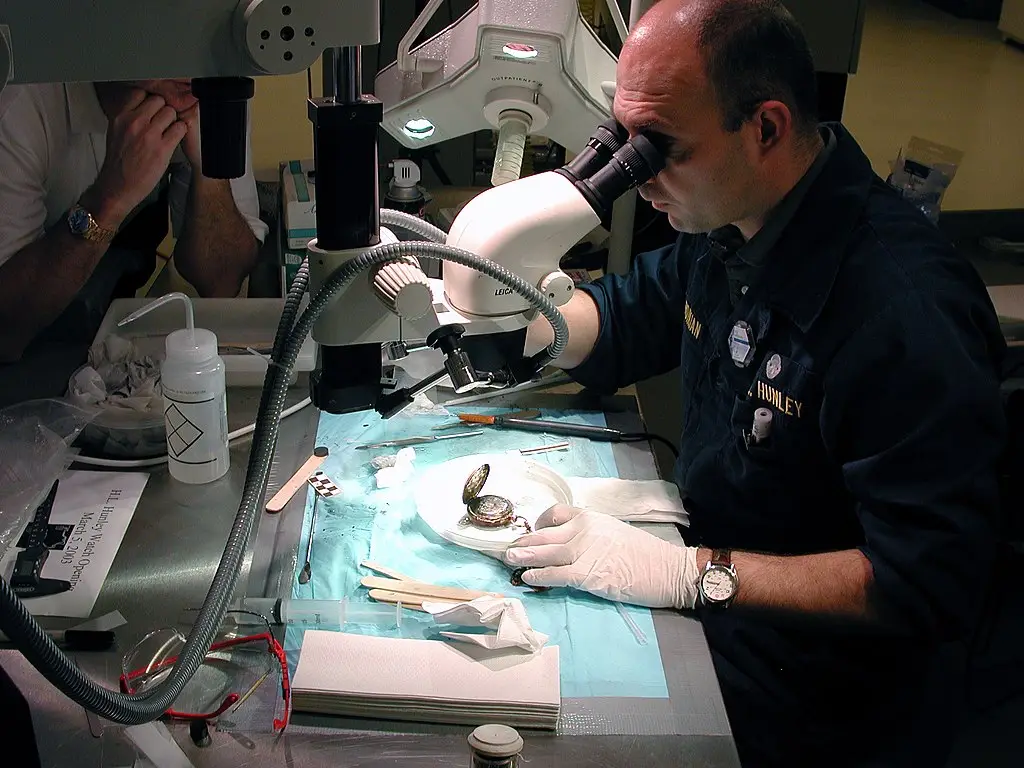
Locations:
{"points": [[37, 647], [55, 666], [392, 218], [291, 307]]}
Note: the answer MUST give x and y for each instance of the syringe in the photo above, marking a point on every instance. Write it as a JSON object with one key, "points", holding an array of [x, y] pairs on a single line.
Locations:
{"points": [[323, 614]]}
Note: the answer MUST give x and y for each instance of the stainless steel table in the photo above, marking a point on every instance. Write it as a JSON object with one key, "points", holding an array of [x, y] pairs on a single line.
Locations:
{"points": [[168, 558]]}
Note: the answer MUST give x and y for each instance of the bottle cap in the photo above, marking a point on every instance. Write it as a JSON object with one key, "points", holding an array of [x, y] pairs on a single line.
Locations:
{"points": [[197, 345], [496, 741], [762, 423]]}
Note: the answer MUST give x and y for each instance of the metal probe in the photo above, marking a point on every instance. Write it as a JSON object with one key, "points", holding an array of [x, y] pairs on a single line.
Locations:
{"points": [[307, 569]]}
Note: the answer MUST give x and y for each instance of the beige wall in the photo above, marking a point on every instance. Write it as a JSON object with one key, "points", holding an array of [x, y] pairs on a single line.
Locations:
{"points": [[280, 128], [953, 81]]}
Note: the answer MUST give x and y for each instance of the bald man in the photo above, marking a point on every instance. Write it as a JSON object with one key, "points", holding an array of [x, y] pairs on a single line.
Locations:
{"points": [[842, 416]]}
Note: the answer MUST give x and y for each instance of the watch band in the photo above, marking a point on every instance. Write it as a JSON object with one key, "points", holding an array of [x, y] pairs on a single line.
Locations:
{"points": [[721, 557], [92, 231]]}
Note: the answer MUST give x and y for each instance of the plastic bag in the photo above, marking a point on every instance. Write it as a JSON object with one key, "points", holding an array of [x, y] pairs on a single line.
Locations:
{"points": [[923, 172], [35, 449]]}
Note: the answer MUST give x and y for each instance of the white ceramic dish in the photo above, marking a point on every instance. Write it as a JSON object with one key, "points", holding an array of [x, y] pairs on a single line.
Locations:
{"points": [[531, 487]]}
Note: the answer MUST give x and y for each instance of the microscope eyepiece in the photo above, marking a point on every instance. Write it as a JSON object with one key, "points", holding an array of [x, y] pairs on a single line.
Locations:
{"points": [[606, 140], [634, 163], [638, 159], [223, 123]]}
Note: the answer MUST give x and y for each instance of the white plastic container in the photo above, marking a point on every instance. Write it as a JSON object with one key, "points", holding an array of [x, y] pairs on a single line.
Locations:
{"points": [[195, 399], [238, 323]]}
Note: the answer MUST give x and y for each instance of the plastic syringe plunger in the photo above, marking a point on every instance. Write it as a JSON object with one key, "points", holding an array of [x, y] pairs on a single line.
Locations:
{"points": [[324, 614]]}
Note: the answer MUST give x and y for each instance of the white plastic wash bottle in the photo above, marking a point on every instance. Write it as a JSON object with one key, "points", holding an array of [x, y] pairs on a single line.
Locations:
{"points": [[195, 399]]}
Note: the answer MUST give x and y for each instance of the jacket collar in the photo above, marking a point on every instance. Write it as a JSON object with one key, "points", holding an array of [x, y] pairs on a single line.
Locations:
{"points": [[808, 255]]}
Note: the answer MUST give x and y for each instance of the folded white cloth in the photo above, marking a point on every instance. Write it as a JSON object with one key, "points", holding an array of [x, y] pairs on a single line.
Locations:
{"points": [[425, 681], [505, 614], [644, 501]]}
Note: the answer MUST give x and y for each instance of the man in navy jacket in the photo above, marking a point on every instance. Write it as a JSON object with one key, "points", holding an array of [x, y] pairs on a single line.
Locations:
{"points": [[842, 417]]}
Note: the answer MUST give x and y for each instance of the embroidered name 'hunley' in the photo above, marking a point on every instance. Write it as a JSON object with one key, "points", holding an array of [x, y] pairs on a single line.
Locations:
{"points": [[782, 403]]}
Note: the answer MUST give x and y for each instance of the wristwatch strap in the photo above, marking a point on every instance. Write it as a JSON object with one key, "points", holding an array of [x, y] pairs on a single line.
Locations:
{"points": [[721, 557], [94, 232]]}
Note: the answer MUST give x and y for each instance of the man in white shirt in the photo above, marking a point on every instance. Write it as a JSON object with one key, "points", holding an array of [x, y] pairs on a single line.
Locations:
{"points": [[87, 174]]}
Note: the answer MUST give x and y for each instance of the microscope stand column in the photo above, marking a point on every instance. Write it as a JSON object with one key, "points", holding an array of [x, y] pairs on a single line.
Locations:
{"points": [[347, 218]]}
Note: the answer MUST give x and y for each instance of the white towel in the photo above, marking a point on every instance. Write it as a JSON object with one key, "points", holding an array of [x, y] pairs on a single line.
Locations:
{"points": [[425, 680], [643, 501]]}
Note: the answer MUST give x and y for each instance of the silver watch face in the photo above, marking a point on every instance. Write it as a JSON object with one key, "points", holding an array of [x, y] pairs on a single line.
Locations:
{"points": [[718, 584]]}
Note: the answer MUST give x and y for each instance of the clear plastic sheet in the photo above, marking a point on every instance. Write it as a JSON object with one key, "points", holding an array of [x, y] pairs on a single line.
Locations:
{"points": [[35, 448]]}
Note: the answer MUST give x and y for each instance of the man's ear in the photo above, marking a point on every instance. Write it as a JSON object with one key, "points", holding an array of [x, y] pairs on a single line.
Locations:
{"points": [[774, 122]]}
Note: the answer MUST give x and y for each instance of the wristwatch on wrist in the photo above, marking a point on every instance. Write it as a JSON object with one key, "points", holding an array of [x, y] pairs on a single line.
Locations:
{"points": [[718, 583], [82, 224]]}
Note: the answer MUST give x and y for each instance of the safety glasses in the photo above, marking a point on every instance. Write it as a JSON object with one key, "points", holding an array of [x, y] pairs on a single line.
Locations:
{"points": [[243, 657]]}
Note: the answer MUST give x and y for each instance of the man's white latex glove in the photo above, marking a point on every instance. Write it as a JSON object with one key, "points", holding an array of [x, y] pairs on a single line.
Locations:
{"points": [[606, 557]]}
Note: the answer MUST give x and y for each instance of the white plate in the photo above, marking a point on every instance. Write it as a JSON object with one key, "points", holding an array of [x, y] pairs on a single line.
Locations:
{"points": [[531, 487]]}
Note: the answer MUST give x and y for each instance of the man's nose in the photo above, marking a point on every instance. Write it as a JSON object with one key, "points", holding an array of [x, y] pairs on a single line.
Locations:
{"points": [[647, 189]]}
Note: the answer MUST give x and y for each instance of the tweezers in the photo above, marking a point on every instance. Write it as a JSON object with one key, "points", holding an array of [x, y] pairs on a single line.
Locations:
{"points": [[417, 440]]}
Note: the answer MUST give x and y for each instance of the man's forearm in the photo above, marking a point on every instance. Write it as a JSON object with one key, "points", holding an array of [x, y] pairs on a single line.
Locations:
{"points": [[584, 322], [37, 284], [216, 249], [830, 584]]}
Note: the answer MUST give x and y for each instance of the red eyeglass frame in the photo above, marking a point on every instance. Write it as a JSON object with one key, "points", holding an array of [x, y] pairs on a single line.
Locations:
{"points": [[232, 698]]}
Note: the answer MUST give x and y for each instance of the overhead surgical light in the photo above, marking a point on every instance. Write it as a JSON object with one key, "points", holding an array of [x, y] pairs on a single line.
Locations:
{"points": [[502, 69], [520, 51], [419, 129]]}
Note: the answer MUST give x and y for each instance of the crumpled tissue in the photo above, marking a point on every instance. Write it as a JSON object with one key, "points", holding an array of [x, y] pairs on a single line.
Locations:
{"points": [[505, 614], [118, 376], [394, 470], [422, 405]]}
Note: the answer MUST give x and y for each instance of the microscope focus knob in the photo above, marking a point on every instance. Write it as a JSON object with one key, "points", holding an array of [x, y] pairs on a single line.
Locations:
{"points": [[460, 368], [404, 289], [446, 338], [558, 287]]}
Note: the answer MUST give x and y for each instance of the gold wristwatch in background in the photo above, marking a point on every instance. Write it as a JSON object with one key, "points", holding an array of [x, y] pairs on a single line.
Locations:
{"points": [[82, 224]]}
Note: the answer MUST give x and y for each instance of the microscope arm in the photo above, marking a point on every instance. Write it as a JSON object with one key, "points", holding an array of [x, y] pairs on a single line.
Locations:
{"points": [[526, 226], [43, 41]]}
